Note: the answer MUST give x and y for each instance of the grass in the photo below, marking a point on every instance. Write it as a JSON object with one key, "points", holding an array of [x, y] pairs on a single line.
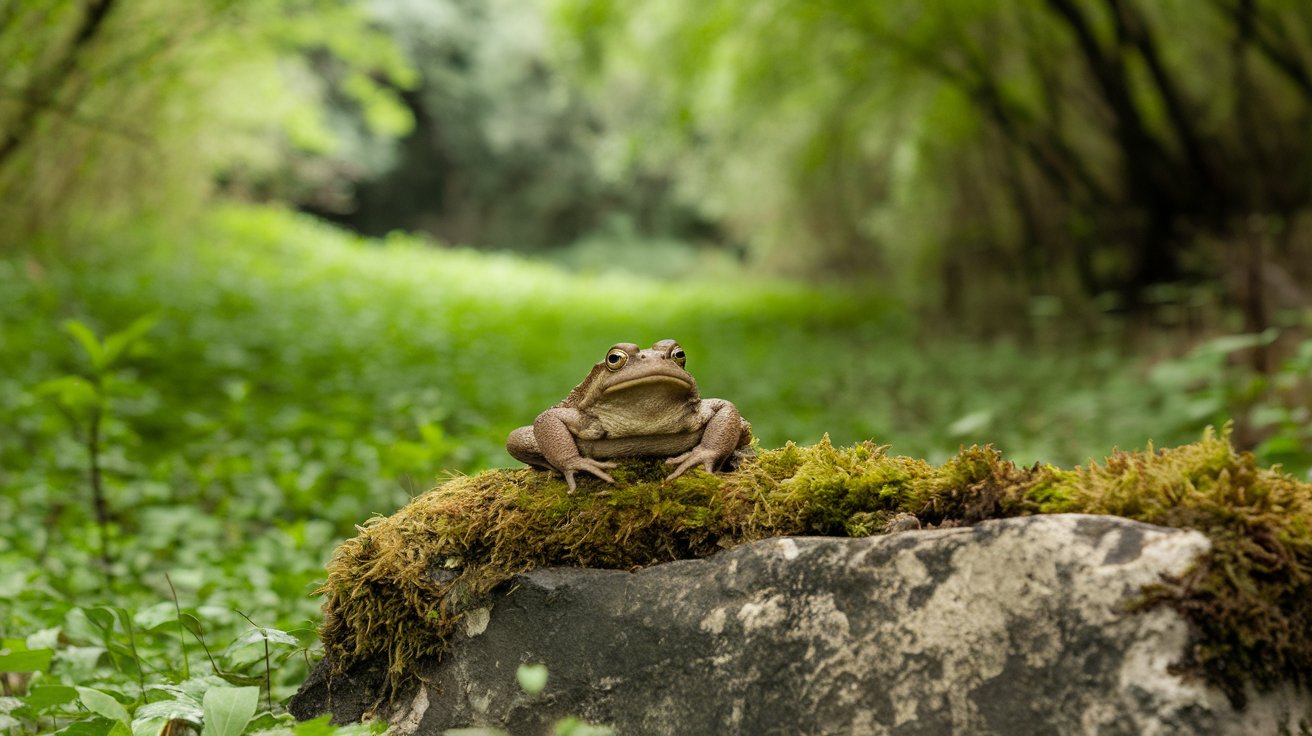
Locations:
{"points": [[397, 591]]}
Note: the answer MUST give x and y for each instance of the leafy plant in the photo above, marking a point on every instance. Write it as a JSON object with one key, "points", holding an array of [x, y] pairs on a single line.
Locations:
{"points": [[1215, 382], [84, 400], [291, 381]]}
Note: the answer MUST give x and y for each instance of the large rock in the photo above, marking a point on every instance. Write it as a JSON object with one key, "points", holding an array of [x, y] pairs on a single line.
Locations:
{"points": [[1019, 626]]}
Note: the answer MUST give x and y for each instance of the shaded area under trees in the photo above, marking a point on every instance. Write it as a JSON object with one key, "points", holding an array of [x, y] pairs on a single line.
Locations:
{"points": [[1094, 146], [979, 158]]}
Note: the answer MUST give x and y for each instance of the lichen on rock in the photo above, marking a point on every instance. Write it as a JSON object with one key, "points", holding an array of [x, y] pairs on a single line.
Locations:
{"points": [[399, 589]]}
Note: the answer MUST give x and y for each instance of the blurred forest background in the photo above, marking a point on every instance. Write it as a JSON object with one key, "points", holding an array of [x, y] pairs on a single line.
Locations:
{"points": [[267, 269]]}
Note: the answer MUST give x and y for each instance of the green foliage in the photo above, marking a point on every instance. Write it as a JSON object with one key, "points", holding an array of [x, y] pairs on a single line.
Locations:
{"points": [[229, 709], [123, 667], [289, 381], [576, 727], [532, 678], [979, 153], [1216, 382], [397, 591], [506, 152], [113, 108]]}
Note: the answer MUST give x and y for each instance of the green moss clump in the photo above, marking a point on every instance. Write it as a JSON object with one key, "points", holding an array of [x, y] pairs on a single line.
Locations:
{"points": [[1250, 598], [400, 587]]}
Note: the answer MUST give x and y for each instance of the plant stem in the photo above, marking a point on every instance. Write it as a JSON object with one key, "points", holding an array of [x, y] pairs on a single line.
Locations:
{"points": [[182, 631], [268, 675], [132, 642], [98, 497]]}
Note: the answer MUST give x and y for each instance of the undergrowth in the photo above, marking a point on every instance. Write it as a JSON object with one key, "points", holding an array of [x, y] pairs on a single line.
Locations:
{"points": [[398, 589], [285, 379]]}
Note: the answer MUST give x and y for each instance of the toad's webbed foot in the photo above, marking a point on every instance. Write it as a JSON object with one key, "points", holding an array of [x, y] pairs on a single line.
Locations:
{"points": [[587, 465], [699, 455]]}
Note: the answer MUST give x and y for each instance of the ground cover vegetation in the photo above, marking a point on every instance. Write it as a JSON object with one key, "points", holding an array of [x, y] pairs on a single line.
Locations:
{"points": [[202, 393], [262, 389]]}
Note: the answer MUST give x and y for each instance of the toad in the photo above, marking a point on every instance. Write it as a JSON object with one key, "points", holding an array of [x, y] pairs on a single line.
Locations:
{"points": [[634, 403]]}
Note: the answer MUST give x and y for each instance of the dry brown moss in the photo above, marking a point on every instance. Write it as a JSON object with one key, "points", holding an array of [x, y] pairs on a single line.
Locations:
{"points": [[399, 588]]}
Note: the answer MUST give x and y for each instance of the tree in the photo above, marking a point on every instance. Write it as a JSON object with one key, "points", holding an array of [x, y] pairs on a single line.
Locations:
{"points": [[1094, 146], [109, 107]]}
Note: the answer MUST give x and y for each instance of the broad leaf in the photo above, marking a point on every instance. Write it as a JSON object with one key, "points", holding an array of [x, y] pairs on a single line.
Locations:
{"points": [[92, 727], [104, 704], [148, 726], [182, 709], [36, 660], [43, 696], [229, 709]]}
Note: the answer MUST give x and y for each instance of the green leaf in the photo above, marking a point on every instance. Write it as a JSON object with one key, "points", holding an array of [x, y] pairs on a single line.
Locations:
{"points": [[104, 704], [87, 339], [160, 615], [572, 726], [192, 624], [972, 423], [104, 619], [74, 392], [176, 710], [532, 677], [43, 696], [315, 727], [78, 663], [36, 660], [235, 678], [148, 726], [258, 634], [1227, 344], [1282, 446], [229, 709], [92, 727], [119, 342]]}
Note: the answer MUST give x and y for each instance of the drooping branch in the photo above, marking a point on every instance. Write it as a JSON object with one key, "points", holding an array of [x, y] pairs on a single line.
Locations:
{"points": [[1042, 143], [43, 90], [1043, 140], [1134, 27], [1270, 39], [1143, 156]]}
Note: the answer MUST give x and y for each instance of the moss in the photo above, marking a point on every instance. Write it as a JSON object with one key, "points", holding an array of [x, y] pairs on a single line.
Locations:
{"points": [[398, 589]]}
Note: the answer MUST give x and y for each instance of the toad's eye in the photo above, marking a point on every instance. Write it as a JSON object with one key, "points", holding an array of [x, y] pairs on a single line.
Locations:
{"points": [[616, 359], [679, 356]]}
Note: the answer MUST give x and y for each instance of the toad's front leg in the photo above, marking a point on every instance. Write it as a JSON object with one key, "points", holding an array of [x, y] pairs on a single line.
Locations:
{"points": [[723, 434], [551, 431]]}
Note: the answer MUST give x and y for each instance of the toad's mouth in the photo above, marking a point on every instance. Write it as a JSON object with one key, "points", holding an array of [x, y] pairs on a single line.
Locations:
{"points": [[670, 381]]}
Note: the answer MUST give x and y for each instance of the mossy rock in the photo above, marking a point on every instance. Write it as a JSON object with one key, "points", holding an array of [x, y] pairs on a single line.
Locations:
{"points": [[397, 590]]}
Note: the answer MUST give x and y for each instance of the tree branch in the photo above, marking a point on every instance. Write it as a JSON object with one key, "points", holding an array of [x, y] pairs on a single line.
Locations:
{"points": [[1052, 155], [42, 91], [1135, 29], [1283, 59]]}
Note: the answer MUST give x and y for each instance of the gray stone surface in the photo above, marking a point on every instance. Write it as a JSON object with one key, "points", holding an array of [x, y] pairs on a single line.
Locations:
{"points": [[1009, 627]]}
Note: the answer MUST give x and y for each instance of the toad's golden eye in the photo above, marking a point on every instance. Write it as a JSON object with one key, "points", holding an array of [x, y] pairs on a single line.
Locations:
{"points": [[616, 359], [679, 356]]}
